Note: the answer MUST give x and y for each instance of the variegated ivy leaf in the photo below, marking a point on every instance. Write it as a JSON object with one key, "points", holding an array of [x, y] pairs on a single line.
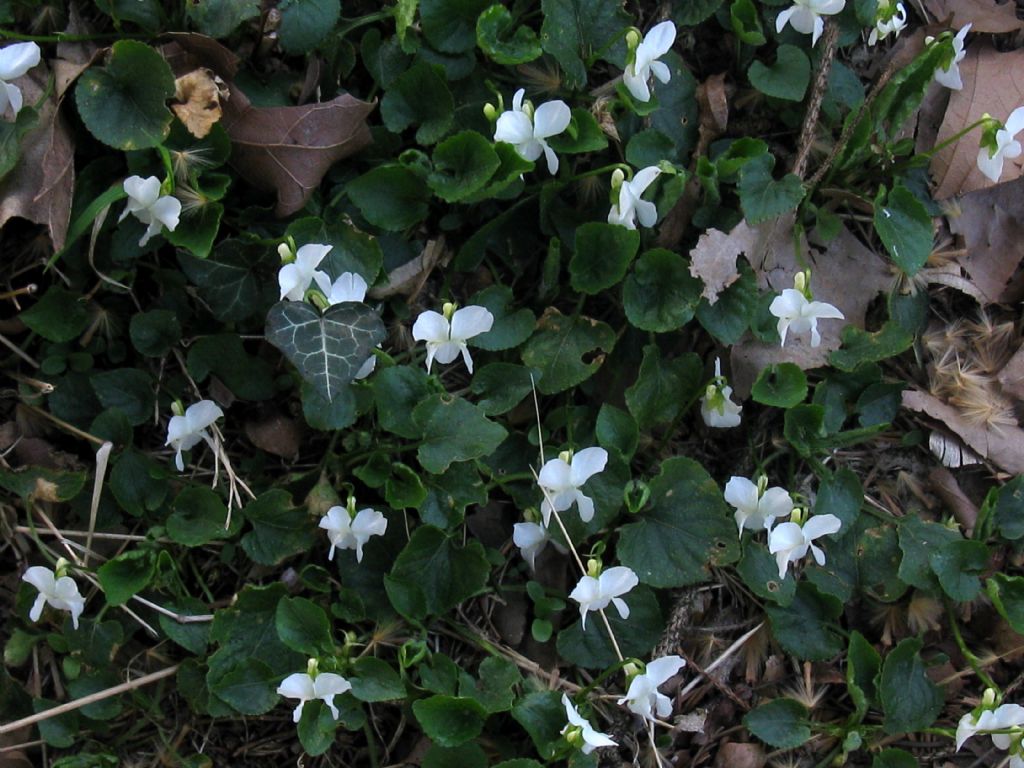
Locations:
{"points": [[327, 349]]}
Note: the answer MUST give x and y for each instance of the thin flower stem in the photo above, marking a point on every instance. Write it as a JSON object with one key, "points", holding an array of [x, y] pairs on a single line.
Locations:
{"points": [[654, 747], [968, 654], [954, 138], [64, 37]]}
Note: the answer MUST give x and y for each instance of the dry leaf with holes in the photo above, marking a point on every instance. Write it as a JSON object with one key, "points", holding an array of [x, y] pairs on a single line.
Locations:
{"points": [[983, 15], [198, 96], [993, 84], [713, 260]]}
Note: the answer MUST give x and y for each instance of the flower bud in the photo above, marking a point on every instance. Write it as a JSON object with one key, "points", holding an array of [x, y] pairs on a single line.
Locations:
{"points": [[490, 112], [593, 567], [61, 568], [312, 667], [350, 505], [574, 736], [988, 698], [448, 310], [177, 408], [762, 485], [617, 178], [631, 670], [800, 282], [633, 38]]}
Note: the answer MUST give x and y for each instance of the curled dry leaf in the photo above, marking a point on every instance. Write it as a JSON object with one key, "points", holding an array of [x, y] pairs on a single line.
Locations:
{"points": [[950, 451], [1003, 446], [948, 489], [408, 279], [993, 83], [983, 15], [198, 96], [713, 260], [847, 275], [1011, 378]]}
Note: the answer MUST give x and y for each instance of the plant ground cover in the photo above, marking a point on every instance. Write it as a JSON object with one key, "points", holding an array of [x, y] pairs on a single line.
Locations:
{"points": [[552, 382]]}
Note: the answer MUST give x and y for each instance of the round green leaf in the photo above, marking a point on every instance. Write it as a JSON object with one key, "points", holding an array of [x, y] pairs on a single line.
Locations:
{"points": [[153, 333], [463, 164], [126, 575], [804, 628], [636, 635], [450, 720], [787, 78], [910, 699], [123, 103], [198, 518], [660, 295], [781, 723], [494, 39], [303, 625], [58, 316], [781, 385], [375, 680], [454, 430], [390, 197], [904, 227], [304, 23], [559, 347], [602, 255]]}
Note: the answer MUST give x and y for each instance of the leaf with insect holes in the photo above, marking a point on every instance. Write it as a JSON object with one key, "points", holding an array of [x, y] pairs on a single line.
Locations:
{"points": [[327, 349]]}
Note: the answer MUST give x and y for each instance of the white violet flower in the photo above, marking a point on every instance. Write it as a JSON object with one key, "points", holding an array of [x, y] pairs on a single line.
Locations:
{"points": [[891, 20], [15, 61], [580, 728], [805, 16], [1000, 144], [446, 334], [146, 205], [797, 313], [531, 538], [528, 129], [60, 592], [563, 477], [594, 594], [185, 430], [985, 719], [716, 405], [630, 206], [757, 506], [307, 686], [643, 697], [300, 270], [351, 286], [949, 75], [348, 529], [656, 43], [790, 541]]}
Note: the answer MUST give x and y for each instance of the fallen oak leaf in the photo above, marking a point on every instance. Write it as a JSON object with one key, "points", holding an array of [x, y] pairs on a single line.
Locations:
{"points": [[713, 260], [198, 94], [983, 15]]}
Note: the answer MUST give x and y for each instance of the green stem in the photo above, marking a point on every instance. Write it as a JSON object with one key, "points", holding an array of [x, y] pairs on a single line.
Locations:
{"points": [[954, 138], [63, 37], [968, 654], [362, 21], [513, 477], [371, 744]]}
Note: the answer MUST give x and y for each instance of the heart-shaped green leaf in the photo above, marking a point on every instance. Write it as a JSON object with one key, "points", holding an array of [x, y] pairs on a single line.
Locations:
{"points": [[327, 349]]}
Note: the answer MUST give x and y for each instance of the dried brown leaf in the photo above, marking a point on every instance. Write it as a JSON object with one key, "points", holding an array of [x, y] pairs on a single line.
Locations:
{"points": [[1011, 378], [276, 434], [73, 57], [847, 275], [40, 186], [963, 509], [993, 83], [736, 755], [198, 94], [991, 222], [408, 279], [1003, 446], [982, 15], [713, 260]]}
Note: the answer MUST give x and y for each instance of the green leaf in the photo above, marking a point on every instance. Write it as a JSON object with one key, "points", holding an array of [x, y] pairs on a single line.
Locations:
{"points": [[686, 527], [420, 97], [729, 317], [500, 387], [560, 345], [327, 349], [746, 23], [601, 255], [153, 333], [397, 391], [339, 413], [126, 575], [583, 135], [247, 629], [450, 720], [303, 626], [761, 196], [123, 103], [617, 430], [781, 385], [403, 489], [862, 666], [787, 78], [450, 25], [662, 387], [138, 483], [351, 250], [247, 685], [957, 565], [918, 539], [861, 347], [1007, 594], [541, 714], [591, 648], [904, 227], [11, 134], [449, 495], [390, 197], [130, 390], [649, 147], [198, 229], [576, 32], [434, 573], [1008, 511], [233, 282], [511, 326], [805, 628], [894, 758], [468, 755], [463, 164], [760, 573], [247, 376], [494, 690], [454, 430], [879, 563], [840, 494], [317, 725], [687, 13], [279, 529], [494, 39], [58, 316], [660, 295], [375, 680], [304, 23], [911, 701], [94, 682], [677, 114], [219, 18], [193, 636], [780, 723], [198, 518]]}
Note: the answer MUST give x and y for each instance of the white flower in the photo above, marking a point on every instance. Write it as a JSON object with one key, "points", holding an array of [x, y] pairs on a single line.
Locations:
{"points": [[591, 738], [716, 405], [656, 43], [60, 593], [789, 542], [891, 25], [15, 61], [531, 538], [630, 207], [949, 75], [562, 480], [351, 286], [528, 130], [295, 278], [990, 159], [805, 16], [184, 431], [1003, 718], [594, 594], [756, 506], [346, 532], [796, 312], [146, 204], [445, 340], [324, 686], [643, 697]]}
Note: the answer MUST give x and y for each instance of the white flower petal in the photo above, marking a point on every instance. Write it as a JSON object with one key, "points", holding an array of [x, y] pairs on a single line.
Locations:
{"points": [[821, 525], [550, 119], [143, 191], [431, 326], [660, 670], [586, 464], [659, 38], [17, 59], [617, 581], [167, 211], [469, 322], [513, 128]]}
